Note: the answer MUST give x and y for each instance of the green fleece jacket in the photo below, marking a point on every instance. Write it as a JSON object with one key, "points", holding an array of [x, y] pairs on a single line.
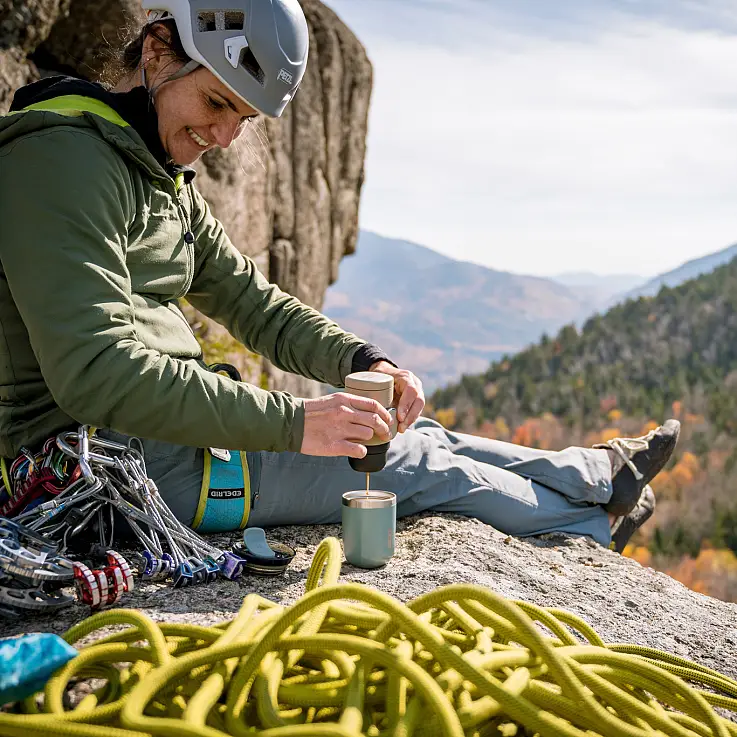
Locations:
{"points": [[97, 245]]}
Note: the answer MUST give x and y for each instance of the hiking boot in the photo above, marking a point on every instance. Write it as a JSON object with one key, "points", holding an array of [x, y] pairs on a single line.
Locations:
{"points": [[636, 462], [624, 527]]}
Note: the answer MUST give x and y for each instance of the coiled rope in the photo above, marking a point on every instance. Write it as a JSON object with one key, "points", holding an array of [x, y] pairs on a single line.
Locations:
{"points": [[346, 660]]}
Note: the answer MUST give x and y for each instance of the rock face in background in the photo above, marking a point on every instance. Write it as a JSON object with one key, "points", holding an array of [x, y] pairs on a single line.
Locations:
{"points": [[24, 25], [288, 193]]}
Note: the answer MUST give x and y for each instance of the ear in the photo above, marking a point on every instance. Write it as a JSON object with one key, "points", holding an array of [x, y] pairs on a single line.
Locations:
{"points": [[156, 48]]}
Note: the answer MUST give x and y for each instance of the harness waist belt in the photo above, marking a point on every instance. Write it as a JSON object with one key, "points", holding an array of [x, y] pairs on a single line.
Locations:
{"points": [[225, 495]]}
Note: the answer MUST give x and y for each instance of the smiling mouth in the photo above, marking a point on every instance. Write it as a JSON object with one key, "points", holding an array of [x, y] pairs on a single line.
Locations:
{"points": [[201, 142]]}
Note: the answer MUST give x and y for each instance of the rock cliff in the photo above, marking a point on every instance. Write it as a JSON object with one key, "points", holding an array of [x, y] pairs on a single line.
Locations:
{"points": [[288, 195]]}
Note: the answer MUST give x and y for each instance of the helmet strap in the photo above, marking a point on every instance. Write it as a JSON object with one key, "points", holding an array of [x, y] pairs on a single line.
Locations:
{"points": [[189, 67], [154, 16]]}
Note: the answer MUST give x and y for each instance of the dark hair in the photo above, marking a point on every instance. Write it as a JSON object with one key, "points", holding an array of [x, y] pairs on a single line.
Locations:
{"points": [[128, 59]]}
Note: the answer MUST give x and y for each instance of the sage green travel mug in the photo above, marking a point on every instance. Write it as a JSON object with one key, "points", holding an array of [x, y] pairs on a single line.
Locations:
{"points": [[369, 527]]}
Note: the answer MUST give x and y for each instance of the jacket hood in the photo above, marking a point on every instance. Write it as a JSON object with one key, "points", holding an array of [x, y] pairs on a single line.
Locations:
{"points": [[134, 107]]}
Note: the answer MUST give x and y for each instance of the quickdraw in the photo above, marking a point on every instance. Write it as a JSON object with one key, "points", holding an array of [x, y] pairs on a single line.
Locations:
{"points": [[75, 487]]}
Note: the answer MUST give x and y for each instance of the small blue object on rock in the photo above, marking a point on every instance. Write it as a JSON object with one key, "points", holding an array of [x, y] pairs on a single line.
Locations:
{"points": [[261, 557], [254, 538], [28, 661]]}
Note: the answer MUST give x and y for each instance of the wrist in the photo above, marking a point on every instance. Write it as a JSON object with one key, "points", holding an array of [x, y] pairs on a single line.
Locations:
{"points": [[382, 366], [366, 357]]}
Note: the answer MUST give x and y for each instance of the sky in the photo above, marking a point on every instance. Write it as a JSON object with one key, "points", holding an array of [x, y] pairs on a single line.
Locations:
{"points": [[548, 136]]}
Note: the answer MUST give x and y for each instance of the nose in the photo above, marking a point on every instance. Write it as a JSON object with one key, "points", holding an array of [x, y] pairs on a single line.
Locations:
{"points": [[226, 131]]}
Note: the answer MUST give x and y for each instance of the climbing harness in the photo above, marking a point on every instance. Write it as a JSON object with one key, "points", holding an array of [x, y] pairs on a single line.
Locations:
{"points": [[74, 488], [225, 493], [346, 661]]}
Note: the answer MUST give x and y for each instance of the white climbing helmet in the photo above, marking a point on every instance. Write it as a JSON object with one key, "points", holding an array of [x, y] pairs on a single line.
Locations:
{"points": [[258, 48]]}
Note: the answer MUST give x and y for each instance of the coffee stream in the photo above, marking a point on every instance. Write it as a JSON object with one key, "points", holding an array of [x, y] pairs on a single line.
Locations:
{"points": [[368, 475]]}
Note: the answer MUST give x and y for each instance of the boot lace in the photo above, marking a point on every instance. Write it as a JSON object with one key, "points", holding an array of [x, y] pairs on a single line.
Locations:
{"points": [[627, 447]]}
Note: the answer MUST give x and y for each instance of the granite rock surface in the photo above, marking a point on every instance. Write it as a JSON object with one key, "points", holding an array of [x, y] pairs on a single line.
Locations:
{"points": [[622, 600]]}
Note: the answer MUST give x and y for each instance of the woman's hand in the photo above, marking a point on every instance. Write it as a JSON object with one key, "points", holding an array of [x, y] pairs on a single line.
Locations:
{"points": [[409, 397], [335, 425]]}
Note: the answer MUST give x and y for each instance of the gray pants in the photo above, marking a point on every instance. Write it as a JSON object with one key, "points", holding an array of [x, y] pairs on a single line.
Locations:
{"points": [[520, 491]]}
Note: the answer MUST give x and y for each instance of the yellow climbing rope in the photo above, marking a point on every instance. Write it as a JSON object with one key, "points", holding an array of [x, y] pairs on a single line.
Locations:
{"points": [[347, 660]]}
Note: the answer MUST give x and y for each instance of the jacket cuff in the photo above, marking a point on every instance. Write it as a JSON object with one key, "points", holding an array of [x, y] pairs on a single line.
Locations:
{"points": [[367, 355], [297, 430]]}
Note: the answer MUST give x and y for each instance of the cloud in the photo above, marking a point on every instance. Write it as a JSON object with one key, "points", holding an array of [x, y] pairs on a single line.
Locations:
{"points": [[600, 137]]}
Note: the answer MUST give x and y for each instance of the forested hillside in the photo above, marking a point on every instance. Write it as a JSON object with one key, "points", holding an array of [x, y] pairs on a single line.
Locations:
{"points": [[674, 354]]}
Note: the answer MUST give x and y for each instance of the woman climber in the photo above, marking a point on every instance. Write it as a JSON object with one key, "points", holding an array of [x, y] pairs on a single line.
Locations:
{"points": [[103, 231]]}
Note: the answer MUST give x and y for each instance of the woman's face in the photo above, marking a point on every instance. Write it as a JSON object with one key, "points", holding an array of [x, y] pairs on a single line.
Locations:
{"points": [[196, 113]]}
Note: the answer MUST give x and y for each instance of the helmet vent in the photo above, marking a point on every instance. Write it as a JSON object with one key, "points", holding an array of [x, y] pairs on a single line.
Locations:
{"points": [[249, 63], [220, 20], [234, 20], [206, 22]]}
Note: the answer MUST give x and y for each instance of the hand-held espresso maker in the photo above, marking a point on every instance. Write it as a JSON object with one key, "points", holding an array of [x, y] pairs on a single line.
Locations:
{"points": [[369, 517], [380, 387]]}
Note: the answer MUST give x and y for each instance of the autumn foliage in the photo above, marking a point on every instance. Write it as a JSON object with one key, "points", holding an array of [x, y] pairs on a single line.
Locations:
{"points": [[690, 535], [623, 373]]}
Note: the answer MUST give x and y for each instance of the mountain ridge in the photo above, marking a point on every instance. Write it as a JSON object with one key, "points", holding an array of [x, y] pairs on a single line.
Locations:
{"points": [[614, 283], [444, 318], [688, 270], [439, 316]]}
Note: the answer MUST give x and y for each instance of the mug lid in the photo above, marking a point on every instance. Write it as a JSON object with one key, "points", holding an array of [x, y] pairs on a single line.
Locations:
{"points": [[369, 499]]}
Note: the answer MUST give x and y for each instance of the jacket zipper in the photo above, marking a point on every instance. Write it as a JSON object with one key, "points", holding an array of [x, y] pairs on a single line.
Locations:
{"points": [[189, 247], [188, 238]]}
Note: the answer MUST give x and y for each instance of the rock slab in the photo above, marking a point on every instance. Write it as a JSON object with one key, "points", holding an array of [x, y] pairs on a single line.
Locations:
{"points": [[623, 601]]}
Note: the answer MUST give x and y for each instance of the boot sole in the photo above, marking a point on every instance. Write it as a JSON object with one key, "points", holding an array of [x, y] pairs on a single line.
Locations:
{"points": [[667, 453], [629, 526]]}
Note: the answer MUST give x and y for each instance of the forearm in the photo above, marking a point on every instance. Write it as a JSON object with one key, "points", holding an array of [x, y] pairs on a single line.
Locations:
{"points": [[140, 392]]}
